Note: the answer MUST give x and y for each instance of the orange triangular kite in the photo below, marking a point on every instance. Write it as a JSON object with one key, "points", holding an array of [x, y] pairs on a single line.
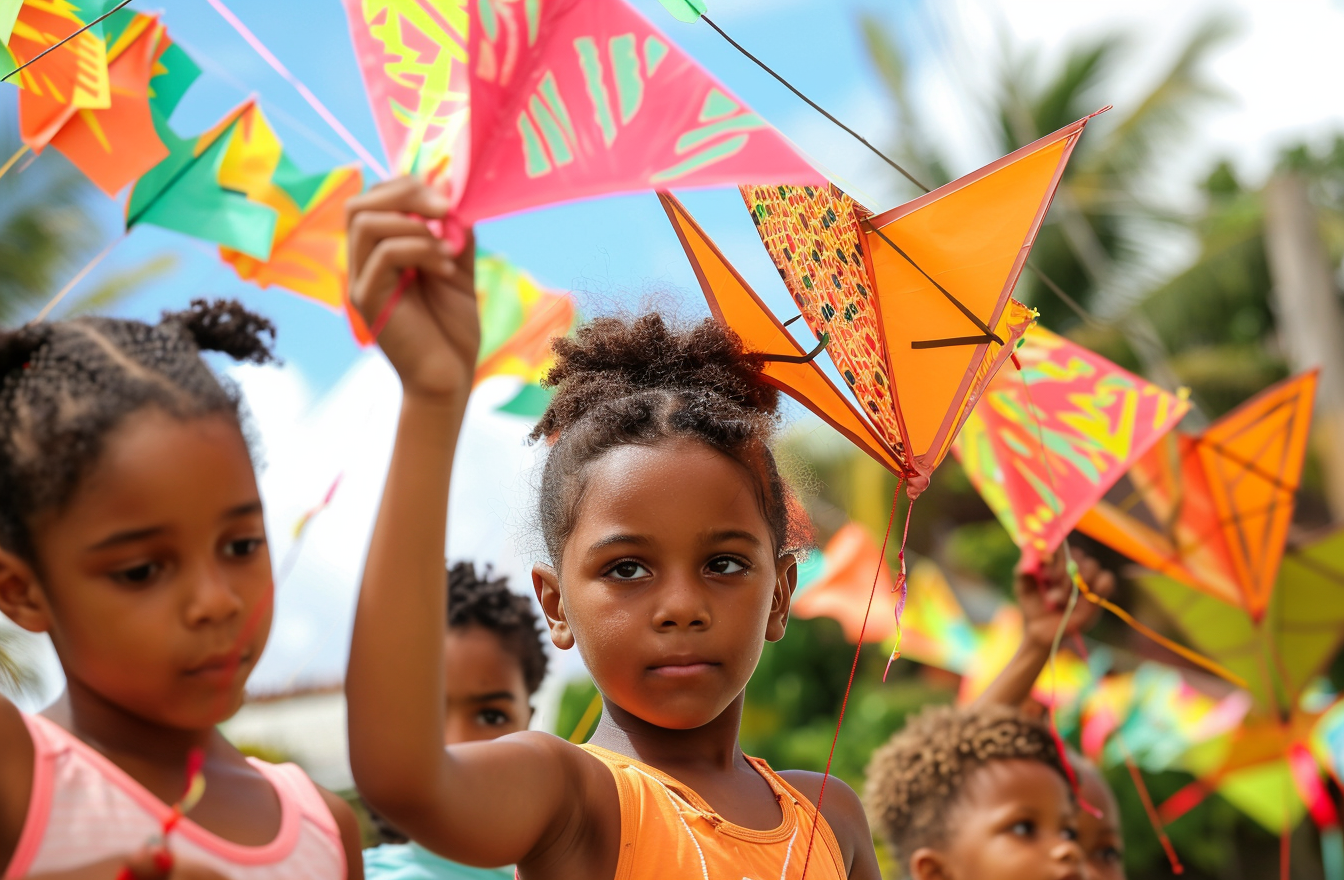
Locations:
{"points": [[915, 304], [736, 305], [1212, 511]]}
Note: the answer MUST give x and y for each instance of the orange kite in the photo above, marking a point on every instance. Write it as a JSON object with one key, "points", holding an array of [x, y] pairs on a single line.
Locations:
{"points": [[914, 306], [1212, 511]]}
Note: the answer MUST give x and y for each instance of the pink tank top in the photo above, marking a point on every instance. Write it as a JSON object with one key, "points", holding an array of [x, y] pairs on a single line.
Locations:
{"points": [[84, 808]]}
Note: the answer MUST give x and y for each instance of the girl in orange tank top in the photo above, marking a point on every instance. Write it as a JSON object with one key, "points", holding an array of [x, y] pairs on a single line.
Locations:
{"points": [[670, 542]]}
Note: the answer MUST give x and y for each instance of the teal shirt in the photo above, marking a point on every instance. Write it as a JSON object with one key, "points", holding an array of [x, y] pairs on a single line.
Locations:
{"points": [[411, 862]]}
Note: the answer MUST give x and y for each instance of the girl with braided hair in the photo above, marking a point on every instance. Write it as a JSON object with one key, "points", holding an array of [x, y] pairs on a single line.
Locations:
{"points": [[671, 542], [131, 532]]}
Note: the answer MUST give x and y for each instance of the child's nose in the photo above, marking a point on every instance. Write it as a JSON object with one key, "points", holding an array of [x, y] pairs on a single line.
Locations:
{"points": [[682, 603], [1069, 852], [214, 598]]}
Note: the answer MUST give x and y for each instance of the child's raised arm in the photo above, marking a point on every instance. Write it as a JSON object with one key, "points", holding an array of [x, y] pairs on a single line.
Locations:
{"points": [[1044, 599], [487, 804]]}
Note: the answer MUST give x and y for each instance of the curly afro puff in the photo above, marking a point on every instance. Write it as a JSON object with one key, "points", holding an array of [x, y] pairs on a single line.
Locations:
{"points": [[638, 381], [65, 385], [915, 779], [478, 600]]}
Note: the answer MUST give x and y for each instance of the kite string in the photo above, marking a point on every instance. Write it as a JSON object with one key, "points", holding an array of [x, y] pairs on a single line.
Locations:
{"points": [[304, 92], [1050, 284], [844, 702], [13, 160], [74, 282], [59, 43], [815, 106]]}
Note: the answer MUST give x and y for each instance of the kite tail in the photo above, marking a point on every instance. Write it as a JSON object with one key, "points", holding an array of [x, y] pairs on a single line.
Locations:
{"points": [[1182, 802], [900, 588], [1194, 657], [1307, 778], [881, 561], [191, 796]]}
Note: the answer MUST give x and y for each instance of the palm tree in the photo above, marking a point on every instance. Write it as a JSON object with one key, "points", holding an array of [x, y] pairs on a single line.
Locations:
{"points": [[1094, 249], [46, 235]]}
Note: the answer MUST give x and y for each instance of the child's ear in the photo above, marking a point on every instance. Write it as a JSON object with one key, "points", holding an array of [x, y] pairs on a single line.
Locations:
{"points": [[786, 581], [928, 864], [21, 596], [547, 584]]}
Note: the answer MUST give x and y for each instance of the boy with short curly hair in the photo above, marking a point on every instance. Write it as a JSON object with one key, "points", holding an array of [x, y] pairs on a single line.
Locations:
{"points": [[975, 792]]}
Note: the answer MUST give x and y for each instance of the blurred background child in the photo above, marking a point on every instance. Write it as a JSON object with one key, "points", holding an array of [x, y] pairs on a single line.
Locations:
{"points": [[975, 793], [496, 659]]}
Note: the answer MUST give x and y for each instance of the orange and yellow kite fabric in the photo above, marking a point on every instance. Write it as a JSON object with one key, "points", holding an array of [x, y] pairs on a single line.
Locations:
{"points": [[70, 78], [914, 305], [1212, 511], [114, 141], [1047, 441]]}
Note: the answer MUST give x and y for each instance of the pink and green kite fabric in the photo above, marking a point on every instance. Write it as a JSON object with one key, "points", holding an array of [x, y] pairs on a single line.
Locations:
{"points": [[1048, 440], [516, 104]]}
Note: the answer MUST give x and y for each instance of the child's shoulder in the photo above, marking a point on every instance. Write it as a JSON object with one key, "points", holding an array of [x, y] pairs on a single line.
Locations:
{"points": [[16, 776], [842, 810]]}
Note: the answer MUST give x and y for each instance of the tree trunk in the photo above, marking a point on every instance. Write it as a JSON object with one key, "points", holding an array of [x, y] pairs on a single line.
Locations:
{"points": [[1311, 321]]}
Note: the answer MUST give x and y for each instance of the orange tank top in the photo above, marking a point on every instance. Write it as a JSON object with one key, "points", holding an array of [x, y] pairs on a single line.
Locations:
{"points": [[667, 830]]}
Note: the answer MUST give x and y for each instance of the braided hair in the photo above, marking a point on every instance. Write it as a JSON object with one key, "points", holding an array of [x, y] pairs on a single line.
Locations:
{"points": [[480, 600], [640, 382], [65, 385], [914, 780]]}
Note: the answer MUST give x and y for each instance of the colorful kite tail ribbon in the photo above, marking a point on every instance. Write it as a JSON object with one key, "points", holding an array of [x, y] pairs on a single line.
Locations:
{"points": [[590, 716], [881, 560], [13, 160], [191, 796], [1153, 818], [304, 92], [900, 588], [1176, 648]]}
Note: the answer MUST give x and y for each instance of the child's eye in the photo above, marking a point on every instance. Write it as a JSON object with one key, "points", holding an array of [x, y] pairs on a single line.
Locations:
{"points": [[139, 575], [492, 717], [1024, 828], [627, 570], [242, 547], [1069, 833], [725, 565], [1108, 855]]}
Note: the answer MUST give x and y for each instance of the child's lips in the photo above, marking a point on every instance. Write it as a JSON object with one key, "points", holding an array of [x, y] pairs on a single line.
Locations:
{"points": [[223, 666], [683, 668]]}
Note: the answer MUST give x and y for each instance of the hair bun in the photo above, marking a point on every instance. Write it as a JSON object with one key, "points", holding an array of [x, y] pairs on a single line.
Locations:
{"points": [[226, 326], [615, 357]]}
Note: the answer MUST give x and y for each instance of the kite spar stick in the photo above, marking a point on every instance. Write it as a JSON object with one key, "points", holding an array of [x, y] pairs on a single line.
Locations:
{"points": [[881, 560], [304, 92], [58, 44]]}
